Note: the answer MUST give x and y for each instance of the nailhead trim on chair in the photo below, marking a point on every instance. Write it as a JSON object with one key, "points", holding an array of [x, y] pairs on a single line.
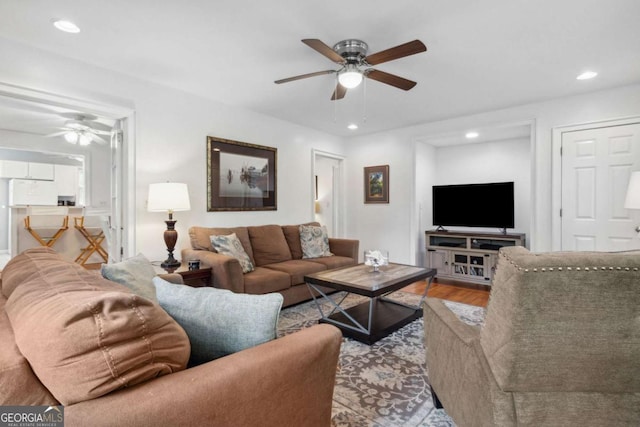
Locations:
{"points": [[545, 269]]}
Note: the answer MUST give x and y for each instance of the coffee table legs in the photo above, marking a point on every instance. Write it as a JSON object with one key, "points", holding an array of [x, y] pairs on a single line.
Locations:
{"points": [[356, 325], [370, 321], [422, 298]]}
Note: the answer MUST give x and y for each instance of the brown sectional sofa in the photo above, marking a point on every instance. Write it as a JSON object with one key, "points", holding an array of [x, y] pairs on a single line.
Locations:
{"points": [[276, 253], [70, 337]]}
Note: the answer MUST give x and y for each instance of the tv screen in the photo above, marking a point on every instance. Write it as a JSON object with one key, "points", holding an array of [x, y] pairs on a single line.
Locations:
{"points": [[474, 205]]}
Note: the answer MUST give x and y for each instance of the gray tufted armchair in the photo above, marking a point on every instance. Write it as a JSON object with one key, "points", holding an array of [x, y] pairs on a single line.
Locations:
{"points": [[560, 345]]}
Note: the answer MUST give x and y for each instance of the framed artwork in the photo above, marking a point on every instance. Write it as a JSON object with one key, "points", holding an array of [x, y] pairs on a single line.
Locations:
{"points": [[240, 176], [376, 184]]}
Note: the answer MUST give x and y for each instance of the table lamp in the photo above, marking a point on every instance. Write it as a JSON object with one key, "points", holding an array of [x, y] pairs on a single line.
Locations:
{"points": [[170, 197], [632, 201]]}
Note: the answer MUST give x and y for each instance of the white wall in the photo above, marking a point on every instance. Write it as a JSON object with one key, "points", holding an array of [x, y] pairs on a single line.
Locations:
{"points": [[426, 175], [171, 129], [383, 226]]}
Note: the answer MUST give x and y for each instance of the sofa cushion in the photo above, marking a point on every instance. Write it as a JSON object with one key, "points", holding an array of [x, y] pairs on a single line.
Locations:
{"points": [[20, 386], [269, 244], [297, 269], [264, 280], [85, 336], [20, 267], [230, 245], [335, 261], [201, 238], [217, 321], [136, 273], [292, 234], [314, 241]]}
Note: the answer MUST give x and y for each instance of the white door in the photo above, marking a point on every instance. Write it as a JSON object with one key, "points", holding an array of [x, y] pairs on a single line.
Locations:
{"points": [[596, 166], [114, 226]]}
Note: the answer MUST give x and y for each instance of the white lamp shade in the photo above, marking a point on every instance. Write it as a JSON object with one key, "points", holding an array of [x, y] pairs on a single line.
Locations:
{"points": [[168, 196], [632, 201]]}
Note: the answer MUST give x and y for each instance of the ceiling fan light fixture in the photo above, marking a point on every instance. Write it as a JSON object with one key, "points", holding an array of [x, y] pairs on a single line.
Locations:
{"points": [[351, 77], [71, 137], [83, 139]]}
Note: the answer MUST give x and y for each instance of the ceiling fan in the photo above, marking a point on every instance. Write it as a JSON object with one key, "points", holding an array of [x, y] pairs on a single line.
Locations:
{"points": [[81, 128], [351, 54]]}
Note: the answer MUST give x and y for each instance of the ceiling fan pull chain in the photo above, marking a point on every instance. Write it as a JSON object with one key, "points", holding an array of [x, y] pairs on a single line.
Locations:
{"points": [[335, 104], [364, 101]]}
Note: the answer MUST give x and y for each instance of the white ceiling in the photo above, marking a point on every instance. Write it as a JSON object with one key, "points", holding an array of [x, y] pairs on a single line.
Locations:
{"points": [[482, 55]]}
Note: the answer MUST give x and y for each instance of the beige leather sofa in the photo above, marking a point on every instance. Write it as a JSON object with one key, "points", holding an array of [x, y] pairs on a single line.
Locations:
{"points": [[276, 253], [560, 345], [70, 337]]}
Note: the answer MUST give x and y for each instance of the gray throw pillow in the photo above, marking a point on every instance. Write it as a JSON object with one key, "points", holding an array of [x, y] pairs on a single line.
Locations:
{"points": [[136, 273], [231, 245], [217, 321], [314, 241]]}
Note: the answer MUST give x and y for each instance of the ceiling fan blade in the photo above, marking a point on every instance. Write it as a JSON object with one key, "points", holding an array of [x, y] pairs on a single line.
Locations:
{"points": [[406, 49], [391, 79], [304, 76], [339, 93], [96, 138], [97, 126], [52, 135], [323, 49]]}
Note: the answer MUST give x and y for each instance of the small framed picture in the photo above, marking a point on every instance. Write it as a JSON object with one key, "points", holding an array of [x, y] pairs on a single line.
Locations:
{"points": [[376, 184]]}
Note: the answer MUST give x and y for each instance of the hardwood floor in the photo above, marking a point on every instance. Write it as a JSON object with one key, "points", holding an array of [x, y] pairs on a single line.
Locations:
{"points": [[451, 292]]}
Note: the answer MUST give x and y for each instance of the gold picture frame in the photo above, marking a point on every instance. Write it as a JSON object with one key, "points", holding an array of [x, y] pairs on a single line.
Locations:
{"points": [[240, 176]]}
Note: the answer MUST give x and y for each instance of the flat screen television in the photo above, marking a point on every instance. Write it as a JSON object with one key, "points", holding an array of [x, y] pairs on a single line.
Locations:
{"points": [[474, 205]]}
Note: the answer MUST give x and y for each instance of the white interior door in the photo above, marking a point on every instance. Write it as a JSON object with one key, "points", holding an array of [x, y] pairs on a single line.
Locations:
{"points": [[596, 166], [114, 235]]}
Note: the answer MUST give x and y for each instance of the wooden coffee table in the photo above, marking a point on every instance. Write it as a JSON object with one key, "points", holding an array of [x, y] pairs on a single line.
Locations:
{"points": [[378, 317]]}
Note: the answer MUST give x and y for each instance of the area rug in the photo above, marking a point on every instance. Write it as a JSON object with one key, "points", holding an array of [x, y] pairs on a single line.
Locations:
{"points": [[384, 384]]}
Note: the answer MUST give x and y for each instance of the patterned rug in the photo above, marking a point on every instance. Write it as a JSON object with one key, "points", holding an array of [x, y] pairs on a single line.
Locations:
{"points": [[384, 384]]}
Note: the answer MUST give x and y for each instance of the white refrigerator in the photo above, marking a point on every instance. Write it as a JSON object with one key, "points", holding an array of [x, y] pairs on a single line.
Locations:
{"points": [[32, 192]]}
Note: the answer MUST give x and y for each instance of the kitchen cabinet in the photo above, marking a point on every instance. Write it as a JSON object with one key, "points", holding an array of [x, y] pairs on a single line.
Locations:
{"points": [[26, 170], [67, 180], [13, 169]]}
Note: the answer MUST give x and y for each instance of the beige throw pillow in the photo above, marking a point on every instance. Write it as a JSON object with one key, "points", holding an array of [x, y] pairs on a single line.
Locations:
{"points": [[314, 241], [230, 245]]}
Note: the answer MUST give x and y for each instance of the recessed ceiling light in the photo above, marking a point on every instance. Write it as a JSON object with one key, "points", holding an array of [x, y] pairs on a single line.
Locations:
{"points": [[587, 75], [352, 126], [66, 26], [471, 135]]}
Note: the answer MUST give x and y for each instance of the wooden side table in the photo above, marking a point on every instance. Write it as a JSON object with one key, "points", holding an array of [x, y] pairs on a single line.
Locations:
{"points": [[194, 278]]}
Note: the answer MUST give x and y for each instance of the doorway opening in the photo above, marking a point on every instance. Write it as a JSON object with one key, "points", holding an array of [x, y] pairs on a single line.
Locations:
{"points": [[328, 191], [29, 119]]}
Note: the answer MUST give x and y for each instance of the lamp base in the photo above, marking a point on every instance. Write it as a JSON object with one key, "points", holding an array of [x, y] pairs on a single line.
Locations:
{"points": [[170, 239], [170, 262]]}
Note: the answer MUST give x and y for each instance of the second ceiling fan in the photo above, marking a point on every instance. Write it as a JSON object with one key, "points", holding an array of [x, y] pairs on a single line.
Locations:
{"points": [[355, 64]]}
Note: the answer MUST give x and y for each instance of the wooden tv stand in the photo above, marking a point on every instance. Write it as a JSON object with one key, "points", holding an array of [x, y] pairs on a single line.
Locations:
{"points": [[468, 257]]}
